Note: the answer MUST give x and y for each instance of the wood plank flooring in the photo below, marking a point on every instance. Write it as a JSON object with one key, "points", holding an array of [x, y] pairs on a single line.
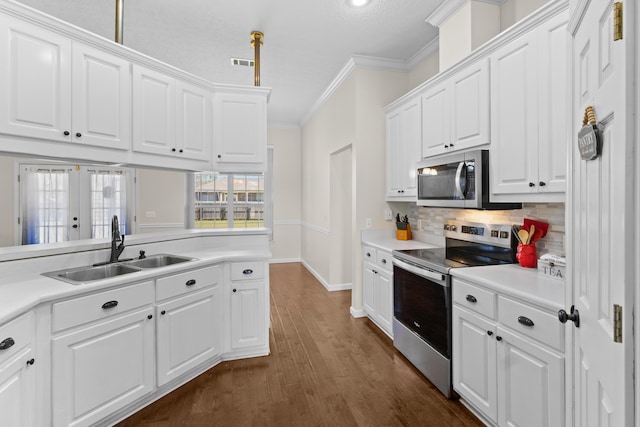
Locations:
{"points": [[325, 369]]}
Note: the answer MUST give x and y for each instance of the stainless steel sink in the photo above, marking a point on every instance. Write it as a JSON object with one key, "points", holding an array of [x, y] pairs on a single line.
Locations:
{"points": [[160, 260], [81, 275]]}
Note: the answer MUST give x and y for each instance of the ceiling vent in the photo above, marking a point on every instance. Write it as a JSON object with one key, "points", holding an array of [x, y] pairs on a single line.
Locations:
{"points": [[239, 62]]}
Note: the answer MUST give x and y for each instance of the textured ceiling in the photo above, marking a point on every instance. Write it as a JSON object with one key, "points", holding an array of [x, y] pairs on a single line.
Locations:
{"points": [[306, 42]]}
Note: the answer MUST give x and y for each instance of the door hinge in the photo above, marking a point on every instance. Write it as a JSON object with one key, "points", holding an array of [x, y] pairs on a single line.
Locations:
{"points": [[617, 323], [617, 21]]}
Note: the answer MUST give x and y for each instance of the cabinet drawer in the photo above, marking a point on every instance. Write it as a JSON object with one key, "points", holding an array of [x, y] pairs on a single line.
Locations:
{"points": [[92, 307], [247, 270], [368, 254], [474, 298], [15, 335], [543, 326], [182, 283], [384, 260]]}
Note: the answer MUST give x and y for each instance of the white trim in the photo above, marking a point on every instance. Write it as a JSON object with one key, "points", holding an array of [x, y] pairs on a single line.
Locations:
{"points": [[323, 282], [316, 228], [160, 225], [287, 222], [285, 260], [576, 16], [373, 62], [444, 12], [357, 313], [429, 49], [283, 125]]}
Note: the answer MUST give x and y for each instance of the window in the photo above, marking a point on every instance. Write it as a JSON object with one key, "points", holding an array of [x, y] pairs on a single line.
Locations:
{"points": [[232, 200], [62, 202]]}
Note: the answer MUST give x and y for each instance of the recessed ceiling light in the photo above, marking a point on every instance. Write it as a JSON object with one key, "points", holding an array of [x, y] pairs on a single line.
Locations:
{"points": [[358, 3]]}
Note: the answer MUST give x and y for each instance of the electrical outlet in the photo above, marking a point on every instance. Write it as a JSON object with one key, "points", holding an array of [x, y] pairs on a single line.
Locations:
{"points": [[150, 214], [388, 215], [368, 223]]}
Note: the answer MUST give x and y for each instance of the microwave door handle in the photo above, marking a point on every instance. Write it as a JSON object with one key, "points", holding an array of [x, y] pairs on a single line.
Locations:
{"points": [[461, 183]]}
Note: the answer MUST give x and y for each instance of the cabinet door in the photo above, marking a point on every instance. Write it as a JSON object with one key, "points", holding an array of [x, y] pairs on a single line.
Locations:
{"points": [[470, 107], [474, 361], [240, 138], [530, 383], [248, 323], [154, 115], [101, 98], [18, 391], [411, 143], [102, 368], [188, 332], [553, 108], [368, 290], [436, 132], [35, 81], [514, 117], [384, 301], [394, 137], [193, 126]]}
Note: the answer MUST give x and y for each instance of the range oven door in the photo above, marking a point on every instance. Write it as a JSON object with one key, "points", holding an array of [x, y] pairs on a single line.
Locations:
{"points": [[422, 303]]}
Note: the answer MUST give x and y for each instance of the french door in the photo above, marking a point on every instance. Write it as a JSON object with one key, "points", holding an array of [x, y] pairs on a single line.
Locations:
{"points": [[60, 202]]}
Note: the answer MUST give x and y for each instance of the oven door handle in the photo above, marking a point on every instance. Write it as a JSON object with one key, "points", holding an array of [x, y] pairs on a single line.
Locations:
{"points": [[422, 272]]}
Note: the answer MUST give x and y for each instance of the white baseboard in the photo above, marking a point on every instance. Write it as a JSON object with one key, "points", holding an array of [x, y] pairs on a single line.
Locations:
{"points": [[284, 260], [327, 286], [357, 313]]}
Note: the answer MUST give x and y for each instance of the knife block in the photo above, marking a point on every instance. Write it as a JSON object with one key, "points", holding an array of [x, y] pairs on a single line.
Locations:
{"points": [[404, 234]]}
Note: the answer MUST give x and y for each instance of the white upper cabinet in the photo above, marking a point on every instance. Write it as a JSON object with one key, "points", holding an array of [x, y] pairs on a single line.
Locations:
{"points": [[101, 101], [455, 112], [404, 133], [528, 116], [240, 132], [194, 121], [60, 90]]}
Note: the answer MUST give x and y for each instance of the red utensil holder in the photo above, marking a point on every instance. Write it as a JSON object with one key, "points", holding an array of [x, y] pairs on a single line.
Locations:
{"points": [[527, 255]]}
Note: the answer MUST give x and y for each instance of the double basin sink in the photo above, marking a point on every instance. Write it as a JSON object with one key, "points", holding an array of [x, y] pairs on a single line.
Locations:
{"points": [[82, 275]]}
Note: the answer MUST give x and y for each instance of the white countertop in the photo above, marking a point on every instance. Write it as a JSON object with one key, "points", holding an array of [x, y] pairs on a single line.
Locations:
{"points": [[22, 287], [386, 240], [523, 283]]}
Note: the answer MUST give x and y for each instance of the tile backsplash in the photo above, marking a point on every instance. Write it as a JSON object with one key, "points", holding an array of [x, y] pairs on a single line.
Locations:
{"points": [[432, 221]]}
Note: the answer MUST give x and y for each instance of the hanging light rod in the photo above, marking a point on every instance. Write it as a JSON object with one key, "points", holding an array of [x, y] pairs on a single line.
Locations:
{"points": [[256, 42], [119, 20]]}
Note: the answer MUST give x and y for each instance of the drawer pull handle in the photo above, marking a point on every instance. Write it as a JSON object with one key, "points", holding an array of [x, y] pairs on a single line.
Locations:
{"points": [[7, 343], [525, 321], [384, 261], [472, 299], [109, 304], [247, 271], [30, 362], [191, 282], [235, 290]]}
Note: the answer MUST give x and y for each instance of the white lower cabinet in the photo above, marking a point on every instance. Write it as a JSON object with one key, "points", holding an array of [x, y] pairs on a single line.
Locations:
{"points": [[187, 326], [377, 294], [17, 373], [247, 315], [507, 360]]}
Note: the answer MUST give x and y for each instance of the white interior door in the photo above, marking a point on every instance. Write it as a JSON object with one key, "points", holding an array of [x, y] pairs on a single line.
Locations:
{"points": [[600, 214]]}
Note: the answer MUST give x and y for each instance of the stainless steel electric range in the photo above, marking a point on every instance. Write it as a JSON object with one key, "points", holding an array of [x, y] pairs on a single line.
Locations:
{"points": [[422, 292]]}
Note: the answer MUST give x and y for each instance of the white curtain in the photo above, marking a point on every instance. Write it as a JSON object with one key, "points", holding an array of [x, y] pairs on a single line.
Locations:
{"points": [[46, 208]]}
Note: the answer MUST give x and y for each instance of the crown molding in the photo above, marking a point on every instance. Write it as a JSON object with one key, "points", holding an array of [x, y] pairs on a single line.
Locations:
{"points": [[449, 7]]}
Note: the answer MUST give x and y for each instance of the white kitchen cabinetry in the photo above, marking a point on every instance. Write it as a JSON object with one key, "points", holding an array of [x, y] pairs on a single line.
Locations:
{"points": [[170, 117], [240, 131], [60, 90], [529, 116], [508, 360], [17, 373], [377, 292], [404, 135], [188, 331], [249, 326], [455, 112], [103, 356]]}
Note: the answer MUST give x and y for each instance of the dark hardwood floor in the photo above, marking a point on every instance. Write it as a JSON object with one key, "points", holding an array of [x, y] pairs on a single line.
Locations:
{"points": [[325, 369]]}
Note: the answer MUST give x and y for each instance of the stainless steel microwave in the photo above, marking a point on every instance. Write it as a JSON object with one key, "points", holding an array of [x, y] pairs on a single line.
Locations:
{"points": [[458, 180]]}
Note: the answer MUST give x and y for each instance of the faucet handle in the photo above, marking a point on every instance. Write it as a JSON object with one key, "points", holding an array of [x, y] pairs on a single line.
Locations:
{"points": [[142, 255]]}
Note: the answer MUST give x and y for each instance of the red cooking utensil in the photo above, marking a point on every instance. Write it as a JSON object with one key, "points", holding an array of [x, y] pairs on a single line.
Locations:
{"points": [[542, 226]]}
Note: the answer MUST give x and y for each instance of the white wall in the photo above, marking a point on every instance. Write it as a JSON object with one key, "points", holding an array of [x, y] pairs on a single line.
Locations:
{"points": [[287, 194], [424, 70], [163, 194], [513, 11]]}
